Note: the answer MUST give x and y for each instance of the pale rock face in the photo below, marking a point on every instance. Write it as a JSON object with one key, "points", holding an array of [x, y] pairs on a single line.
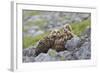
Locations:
{"points": [[52, 53], [44, 57], [28, 52], [84, 52], [49, 56], [64, 53], [72, 44], [34, 32], [41, 57], [28, 59]]}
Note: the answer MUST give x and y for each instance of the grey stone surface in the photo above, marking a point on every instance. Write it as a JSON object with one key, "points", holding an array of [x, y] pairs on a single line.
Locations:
{"points": [[86, 35], [84, 52], [64, 53], [28, 59], [28, 52], [72, 44], [44, 57], [52, 53]]}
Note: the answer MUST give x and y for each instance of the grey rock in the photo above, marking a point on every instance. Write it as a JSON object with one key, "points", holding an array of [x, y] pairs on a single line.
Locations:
{"points": [[28, 59], [84, 16], [72, 44], [42, 57], [28, 52], [34, 31], [84, 52], [87, 33], [34, 18], [52, 53], [67, 55], [78, 17], [63, 53]]}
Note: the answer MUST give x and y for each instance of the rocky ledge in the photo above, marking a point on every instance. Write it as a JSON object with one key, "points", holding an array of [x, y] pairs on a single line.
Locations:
{"points": [[78, 48]]}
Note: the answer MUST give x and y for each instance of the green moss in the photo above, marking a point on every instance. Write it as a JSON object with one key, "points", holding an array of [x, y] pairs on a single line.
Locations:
{"points": [[52, 53], [78, 28], [25, 30], [62, 58], [29, 40], [30, 13], [34, 13]]}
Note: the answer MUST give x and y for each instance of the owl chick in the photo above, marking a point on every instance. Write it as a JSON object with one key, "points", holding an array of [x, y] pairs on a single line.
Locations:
{"points": [[46, 43], [67, 31], [43, 46], [67, 27], [59, 42]]}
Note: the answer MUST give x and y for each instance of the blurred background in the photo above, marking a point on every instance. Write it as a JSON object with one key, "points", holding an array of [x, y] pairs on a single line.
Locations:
{"points": [[37, 24]]}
